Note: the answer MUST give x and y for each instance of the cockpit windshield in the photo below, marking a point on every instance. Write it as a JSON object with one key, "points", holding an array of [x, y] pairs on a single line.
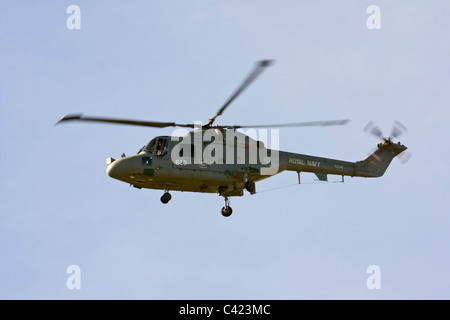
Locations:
{"points": [[157, 146], [141, 149], [150, 146]]}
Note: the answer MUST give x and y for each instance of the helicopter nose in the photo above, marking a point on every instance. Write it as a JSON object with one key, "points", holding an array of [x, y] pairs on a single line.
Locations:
{"points": [[115, 169]]}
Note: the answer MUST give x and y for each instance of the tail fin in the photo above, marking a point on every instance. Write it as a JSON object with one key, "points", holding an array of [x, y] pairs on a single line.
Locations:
{"points": [[376, 164]]}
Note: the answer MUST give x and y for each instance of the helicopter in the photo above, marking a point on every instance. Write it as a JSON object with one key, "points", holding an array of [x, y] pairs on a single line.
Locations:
{"points": [[220, 159]]}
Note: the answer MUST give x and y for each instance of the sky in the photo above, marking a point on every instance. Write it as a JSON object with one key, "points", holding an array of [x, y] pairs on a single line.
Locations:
{"points": [[179, 61]]}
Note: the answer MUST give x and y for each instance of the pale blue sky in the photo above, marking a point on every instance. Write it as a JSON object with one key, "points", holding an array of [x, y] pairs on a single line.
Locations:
{"points": [[179, 61]]}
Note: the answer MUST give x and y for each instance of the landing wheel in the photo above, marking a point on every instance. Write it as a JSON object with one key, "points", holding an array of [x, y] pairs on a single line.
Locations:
{"points": [[250, 186], [166, 198], [227, 211]]}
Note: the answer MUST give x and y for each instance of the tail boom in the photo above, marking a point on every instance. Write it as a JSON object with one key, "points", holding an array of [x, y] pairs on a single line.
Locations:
{"points": [[373, 166]]}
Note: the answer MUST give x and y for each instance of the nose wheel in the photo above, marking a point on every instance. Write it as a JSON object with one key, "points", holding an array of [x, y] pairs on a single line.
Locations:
{"points": [[165, 198], [226, 210]]}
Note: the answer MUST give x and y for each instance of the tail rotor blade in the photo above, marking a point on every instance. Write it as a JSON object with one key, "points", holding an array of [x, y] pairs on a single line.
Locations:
{"points": [[404, 157], [373, 130], [398, 129]]}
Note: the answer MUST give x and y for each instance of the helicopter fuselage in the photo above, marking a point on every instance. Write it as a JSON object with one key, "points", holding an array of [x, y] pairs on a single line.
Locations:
{"points": [[163, 164]]}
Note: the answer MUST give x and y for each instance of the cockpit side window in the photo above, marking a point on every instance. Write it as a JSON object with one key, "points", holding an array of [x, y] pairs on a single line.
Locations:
{"points": [[158, 146], [161, 147]]}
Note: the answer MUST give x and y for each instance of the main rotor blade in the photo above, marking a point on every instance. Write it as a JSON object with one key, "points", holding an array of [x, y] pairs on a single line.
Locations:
{"points": [[260, 65], [80, 117], [299, 124]]}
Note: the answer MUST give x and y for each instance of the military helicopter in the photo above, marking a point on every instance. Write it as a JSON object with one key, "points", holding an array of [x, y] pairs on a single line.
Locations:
{"points": [[219, 159]]}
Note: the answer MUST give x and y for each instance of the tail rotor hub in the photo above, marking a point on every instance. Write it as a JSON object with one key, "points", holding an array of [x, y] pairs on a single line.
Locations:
{"points": [[388, 144]]}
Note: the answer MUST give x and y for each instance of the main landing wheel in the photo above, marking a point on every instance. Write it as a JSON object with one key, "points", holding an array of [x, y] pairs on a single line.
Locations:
{"points": [[166, 198], [227, 211]]}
